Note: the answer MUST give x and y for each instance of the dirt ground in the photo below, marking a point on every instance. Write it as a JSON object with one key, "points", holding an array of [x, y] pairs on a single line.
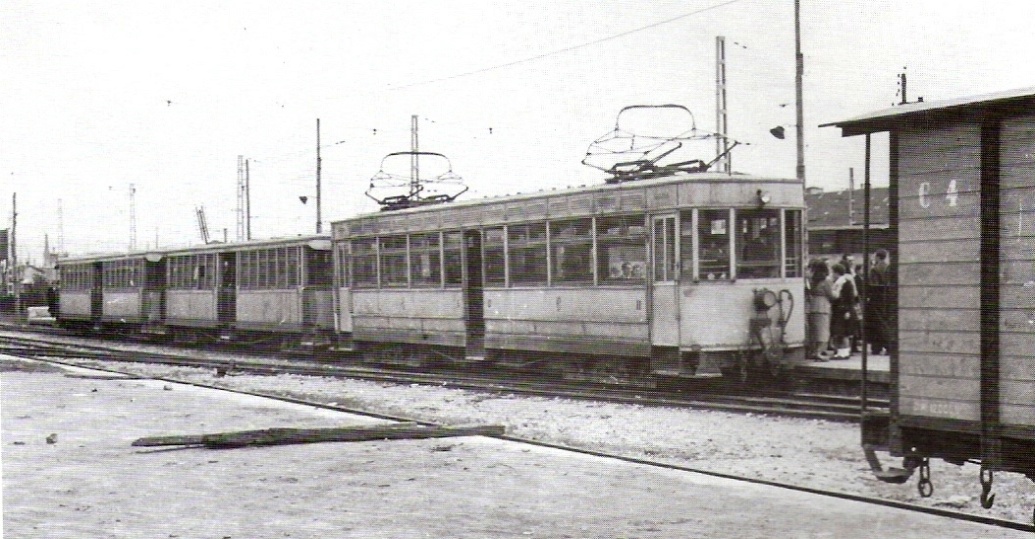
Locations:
{"points": [[92, 483]]}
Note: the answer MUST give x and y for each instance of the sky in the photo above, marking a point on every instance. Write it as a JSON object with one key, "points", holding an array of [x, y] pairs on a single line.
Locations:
{"points": [[118, 119]]}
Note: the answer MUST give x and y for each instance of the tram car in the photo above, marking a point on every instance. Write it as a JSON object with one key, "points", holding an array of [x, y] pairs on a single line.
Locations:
{"points": [[686, 275], [276, 291], [113, 293], [962, 367]]}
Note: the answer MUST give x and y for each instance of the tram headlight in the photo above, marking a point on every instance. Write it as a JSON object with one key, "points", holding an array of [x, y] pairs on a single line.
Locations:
{"points": [[764, 198]]}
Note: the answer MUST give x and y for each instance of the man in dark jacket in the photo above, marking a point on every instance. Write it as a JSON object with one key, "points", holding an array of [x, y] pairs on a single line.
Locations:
{"points": [[878, 307]]}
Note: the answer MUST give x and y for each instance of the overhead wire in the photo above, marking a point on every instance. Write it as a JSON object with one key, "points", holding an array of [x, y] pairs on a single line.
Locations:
{"points": [[566, 49]]}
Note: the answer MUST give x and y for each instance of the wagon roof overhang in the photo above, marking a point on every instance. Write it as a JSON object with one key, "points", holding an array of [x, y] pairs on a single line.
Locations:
{"points": [[1010, 101]]}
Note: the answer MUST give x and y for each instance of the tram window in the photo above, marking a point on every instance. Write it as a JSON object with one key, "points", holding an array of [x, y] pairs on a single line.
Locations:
{"points": [[341, 250], [425, 260], [526, 253], [621, 250], [262, 264], [758, 244], [793, 231], [572, 245], [664, 249], [713, 233], [393, 261], [318, 266], [292, 267], [452, 245], [364, 263], [244, 279], [494, 256]]}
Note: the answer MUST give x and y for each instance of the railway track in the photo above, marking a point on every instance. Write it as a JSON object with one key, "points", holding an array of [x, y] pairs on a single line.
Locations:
{"points": [[707, 395], [12, 347]]}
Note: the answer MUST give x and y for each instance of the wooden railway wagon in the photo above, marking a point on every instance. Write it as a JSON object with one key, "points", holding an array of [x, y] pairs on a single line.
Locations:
{"points": [[962, 178], [277, 290], [689, 275], [112, 293]]}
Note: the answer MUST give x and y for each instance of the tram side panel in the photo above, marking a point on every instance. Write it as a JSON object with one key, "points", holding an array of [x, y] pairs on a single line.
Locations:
{"points": [[431, 316], [269, 310], [191, 308], [603, 320], [74, 304], [1017, 285]]}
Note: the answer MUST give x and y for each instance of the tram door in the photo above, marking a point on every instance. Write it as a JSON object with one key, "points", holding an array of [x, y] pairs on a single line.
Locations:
{"points": [[664, 322], [474, 294], [226, 298]]}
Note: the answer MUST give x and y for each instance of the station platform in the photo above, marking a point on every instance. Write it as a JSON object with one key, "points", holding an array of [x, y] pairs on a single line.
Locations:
{"points": [[848, 370], [69, 471]]}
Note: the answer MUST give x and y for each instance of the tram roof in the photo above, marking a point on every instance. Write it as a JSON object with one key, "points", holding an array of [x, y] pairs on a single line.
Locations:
{"points": [[317, 241], [696, 177], [924, 112]]}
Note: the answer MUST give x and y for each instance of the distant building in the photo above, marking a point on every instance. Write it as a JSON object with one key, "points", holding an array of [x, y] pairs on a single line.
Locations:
{"points": [[835, 222]]}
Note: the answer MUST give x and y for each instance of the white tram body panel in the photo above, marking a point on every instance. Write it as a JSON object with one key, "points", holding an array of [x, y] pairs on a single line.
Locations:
{"points": [[417, 316], [191, 308], [269, 310], [602, 320], [74, 304], [122, 306]]}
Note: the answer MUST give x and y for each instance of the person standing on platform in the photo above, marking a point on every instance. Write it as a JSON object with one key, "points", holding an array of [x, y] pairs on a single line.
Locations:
{"points": [[842, 313], [878, 304], [820, 295]]}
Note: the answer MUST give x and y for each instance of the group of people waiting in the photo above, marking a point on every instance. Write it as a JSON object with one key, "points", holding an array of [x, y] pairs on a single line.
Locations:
{"points": [[834, 307]]}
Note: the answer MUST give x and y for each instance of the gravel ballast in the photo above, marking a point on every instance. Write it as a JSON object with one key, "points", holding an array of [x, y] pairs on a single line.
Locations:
{"points": [[804, 452]]}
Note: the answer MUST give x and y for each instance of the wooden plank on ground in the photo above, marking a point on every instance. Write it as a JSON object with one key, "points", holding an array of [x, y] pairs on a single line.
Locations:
{"points": [[281, 436]]}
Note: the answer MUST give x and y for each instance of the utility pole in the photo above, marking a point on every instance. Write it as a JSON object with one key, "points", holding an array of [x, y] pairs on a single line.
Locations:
{"points": [[851, 196], [247, 200], [61, 228], [16, 281], [319, 227], [132, 217], [414, 159], [721, 121], [799, 71], [240, 198]]}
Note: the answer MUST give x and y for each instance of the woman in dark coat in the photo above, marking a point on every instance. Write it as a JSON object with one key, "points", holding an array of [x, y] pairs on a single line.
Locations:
{"points": [[842, 312]]}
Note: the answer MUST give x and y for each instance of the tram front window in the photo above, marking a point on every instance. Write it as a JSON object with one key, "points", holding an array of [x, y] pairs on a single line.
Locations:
{"points": [[714, 233], [758, 244]]}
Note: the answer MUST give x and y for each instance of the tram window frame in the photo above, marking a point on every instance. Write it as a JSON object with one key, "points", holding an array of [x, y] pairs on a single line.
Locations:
{"points": [[713, 248], [244, 267], [494, 256], [291, 263], [426, 260], [262, 264], [342, 263], [394, 263], [621, 249], [571, 251], [794, 242], [364, 261], [453, 259], [758, 243], [663, 239], [528, 254]]}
